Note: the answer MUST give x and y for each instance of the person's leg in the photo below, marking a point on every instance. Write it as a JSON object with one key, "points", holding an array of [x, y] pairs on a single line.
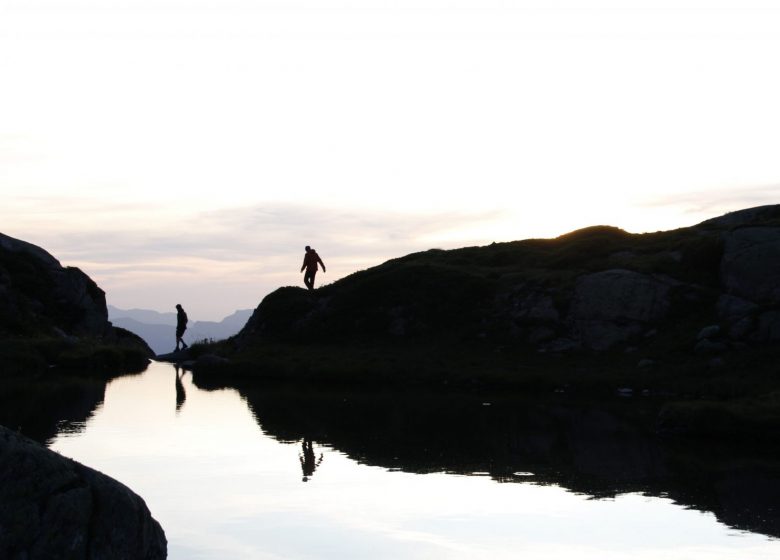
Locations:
{"points": [[308, 279], [179, 339]]}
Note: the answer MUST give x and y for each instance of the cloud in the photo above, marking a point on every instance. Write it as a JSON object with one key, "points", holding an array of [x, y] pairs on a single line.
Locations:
{"points": [[717, 202], [263, 232], [227, 259]]}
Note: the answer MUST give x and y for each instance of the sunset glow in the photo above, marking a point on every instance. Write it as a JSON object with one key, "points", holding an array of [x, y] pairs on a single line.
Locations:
{"points": [[187, 151]]}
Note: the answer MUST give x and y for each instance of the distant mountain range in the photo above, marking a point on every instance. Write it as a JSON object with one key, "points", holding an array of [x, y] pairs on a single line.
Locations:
{"points": [[157, 329]]}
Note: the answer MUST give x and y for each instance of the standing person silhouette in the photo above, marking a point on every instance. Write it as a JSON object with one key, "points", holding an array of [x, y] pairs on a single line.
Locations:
{"points": [[181, 326], [310, 260]]}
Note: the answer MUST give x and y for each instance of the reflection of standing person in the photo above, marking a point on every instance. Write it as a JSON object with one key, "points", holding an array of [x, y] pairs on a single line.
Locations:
{"points": [[310, 261], [180, 394], [181, 326], [309, 462]]}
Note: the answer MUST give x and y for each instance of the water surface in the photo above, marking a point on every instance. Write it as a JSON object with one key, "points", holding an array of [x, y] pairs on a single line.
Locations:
{"points": [[266, 474]]}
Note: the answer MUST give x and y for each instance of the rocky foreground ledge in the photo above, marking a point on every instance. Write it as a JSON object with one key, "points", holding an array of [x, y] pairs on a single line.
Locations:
{"points": [[52, 507]]}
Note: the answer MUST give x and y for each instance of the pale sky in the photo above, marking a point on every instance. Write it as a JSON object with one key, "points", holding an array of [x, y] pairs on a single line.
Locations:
{"points": [[184, 151]]}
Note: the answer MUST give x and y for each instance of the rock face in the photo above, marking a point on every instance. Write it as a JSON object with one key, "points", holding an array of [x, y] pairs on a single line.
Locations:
{"points": [[751, 264], [52, 507], [598, 289], [36, 289], [41, 298], [613, 306]]}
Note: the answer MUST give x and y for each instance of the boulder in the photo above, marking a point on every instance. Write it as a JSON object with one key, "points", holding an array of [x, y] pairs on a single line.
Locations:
{"points": [[709, 332], [615, 305], [769, 326], [602, 335], [620, 295], [533, 306], [52, 507], [750, 265], [732, 309], [36, 287], [707, 346], [742, 328]]}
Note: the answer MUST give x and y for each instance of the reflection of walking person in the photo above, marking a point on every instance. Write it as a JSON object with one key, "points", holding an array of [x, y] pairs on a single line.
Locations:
{"points": [[309, 462], [310, 260], [181, 396], [181, 326]]}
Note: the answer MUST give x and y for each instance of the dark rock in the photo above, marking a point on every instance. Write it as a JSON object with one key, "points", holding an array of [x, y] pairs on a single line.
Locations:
{"points": [[52, 507], [732, 309], [175, 357], [716, 363], [38, 288], [769, 326], [712, 331], [211, 360], [560, 345], [751, 264], [538, 335], [749, 216], [707, 346], [613, 306], [602, 335], [742, 328], [39, 298], [614, 295], [533, 306]]}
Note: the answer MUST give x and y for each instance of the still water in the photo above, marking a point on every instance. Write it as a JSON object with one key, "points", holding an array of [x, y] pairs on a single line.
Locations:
{"points": [[261, 474]]}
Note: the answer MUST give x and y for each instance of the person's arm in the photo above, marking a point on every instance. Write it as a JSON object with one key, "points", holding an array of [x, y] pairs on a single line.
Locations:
{"points": [[322, 263], [304, 264]]}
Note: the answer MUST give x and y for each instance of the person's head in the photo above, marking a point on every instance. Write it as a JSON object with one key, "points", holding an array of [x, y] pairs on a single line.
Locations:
{"points": [[307, 248], [178, 306]]}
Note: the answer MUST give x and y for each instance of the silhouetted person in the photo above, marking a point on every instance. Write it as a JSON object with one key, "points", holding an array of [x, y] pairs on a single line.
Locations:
{"points": [[181, 326], [309, 462], [181, 396], [310, 261]]}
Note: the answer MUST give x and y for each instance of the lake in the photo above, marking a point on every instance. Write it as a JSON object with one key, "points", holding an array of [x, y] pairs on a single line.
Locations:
{"points": [[270, 473]]}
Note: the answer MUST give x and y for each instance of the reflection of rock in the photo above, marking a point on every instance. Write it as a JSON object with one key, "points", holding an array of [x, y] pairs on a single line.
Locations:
{"points": [[600, 450], [52, 507], [40, 410]]}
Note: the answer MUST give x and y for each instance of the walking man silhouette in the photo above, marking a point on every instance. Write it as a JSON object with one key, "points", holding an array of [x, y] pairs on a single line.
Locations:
{"points": [[181, 326], [310, 260]]}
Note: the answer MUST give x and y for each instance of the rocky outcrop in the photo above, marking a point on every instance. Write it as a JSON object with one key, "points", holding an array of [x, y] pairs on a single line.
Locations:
{"points": [[613, 306], [35, 289], [596, 290], [57, 315], [751, 264], [52, 507]]}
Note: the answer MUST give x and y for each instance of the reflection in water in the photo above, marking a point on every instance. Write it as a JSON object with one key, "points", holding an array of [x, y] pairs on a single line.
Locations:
{"points": [[181, 396], [42, 407], [602, 451], [309, 461], [222, 487]]}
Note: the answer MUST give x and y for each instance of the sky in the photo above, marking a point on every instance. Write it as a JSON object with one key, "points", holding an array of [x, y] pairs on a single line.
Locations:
{"points": [[185, 151]]}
